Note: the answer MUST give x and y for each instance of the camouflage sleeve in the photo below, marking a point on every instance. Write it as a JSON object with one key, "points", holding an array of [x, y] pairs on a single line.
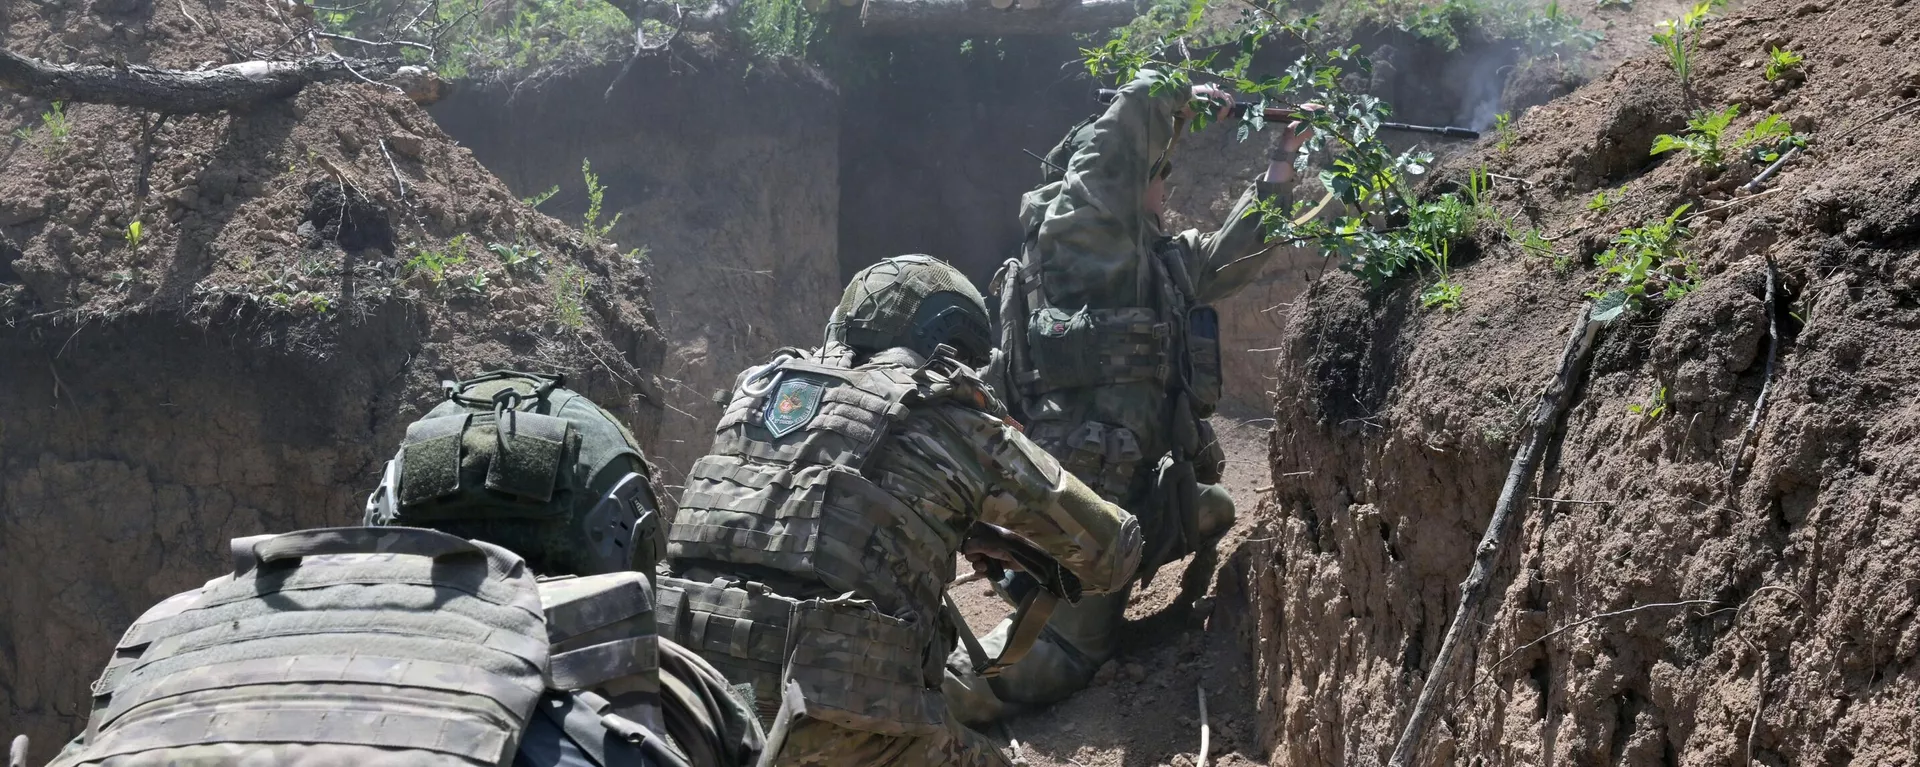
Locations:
{"points": [[1094, 226], [1225, 261], [1025, 490]]}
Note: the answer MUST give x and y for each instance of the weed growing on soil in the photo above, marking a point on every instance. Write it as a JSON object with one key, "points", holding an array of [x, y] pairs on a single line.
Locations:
{"points": [[517, 256], [1705, 131], [54, 120], [594, 233], [476, 284], [1503, 129], [534, 201], [569, 286], [435, 263], [779, 28], [133, 235], [1655, 404], [1676, 38], [1781, 62], [1601, 202], [1649, 257]]}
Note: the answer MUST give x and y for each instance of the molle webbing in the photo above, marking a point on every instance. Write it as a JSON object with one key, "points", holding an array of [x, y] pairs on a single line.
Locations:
{"points": [[741, 632], [319, 640], [856, 667], [798, 503], [602, 628], [1098, 347]]}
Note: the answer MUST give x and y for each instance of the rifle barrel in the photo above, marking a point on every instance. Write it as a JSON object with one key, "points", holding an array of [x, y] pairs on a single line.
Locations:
{"points": [[1285, 111]]}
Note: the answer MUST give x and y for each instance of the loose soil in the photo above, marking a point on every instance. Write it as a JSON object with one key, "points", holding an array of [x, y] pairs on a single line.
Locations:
{"points": [[1654, 612]]}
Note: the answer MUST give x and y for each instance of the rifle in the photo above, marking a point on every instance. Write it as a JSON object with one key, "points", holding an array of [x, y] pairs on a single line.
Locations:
{"points": [[1285, 112], [1035, 605]]}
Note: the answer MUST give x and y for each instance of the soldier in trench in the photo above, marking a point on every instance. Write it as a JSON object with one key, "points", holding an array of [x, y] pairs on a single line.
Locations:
{"points": [[1113, 362], [814, 543]]}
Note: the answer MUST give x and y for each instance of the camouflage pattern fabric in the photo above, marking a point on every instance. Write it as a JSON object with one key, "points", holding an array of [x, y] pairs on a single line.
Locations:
{"points": [[938, 462], [1096, 246]]}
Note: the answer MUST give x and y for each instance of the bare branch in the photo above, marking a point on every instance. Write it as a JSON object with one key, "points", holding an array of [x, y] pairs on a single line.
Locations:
{"points": [[169, 91]]}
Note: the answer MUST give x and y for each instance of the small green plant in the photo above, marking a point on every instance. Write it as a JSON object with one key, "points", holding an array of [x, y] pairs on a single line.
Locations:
{"points": [[1649, 258], [54, 120], [133, 234], [1706, 131], [1655, 404], [1503, 129], [1444, 294], [1781, 62], [1675, 38], [595, 192], [569, 296], [1602, 202], [517, 256], [639, 255], [319, 303], [122, 279], [435, 263], [476, 284], [534, 201]]}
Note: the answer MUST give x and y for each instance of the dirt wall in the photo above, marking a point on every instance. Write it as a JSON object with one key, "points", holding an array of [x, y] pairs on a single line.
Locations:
{"points": [[1658, 607], [306, 271], [727, 180]]}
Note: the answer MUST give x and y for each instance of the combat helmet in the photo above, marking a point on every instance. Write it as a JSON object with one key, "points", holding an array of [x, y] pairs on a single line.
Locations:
{"points": [[917, 302], [516, 460]]}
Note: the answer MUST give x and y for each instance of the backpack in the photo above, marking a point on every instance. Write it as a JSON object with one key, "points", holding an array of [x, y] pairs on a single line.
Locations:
{"points": [[377, 646]]}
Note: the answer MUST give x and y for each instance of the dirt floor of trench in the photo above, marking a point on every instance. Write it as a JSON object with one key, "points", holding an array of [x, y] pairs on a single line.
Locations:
{"points": [[1143, 707]]}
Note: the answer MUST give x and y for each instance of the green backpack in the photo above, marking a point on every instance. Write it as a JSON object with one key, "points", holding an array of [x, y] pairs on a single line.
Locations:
{"points": [[514, 459]]}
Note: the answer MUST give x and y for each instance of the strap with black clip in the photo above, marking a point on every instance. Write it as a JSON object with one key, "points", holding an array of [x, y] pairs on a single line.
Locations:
{"points": [[1035, 605]]}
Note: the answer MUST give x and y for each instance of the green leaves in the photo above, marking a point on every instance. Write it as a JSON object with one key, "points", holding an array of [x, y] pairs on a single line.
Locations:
{"points": [[1781, 62], [1649, 258], [1675, 38], [1705, 132]]}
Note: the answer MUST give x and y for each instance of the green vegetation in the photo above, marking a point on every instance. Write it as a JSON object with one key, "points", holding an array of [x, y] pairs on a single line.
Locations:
{"points": [[1602, 202], [518, 256], [1649, 258], [435, 263], [1503, 129], [1542, 31], [534, 201], [476, 284], [779, 28], [1676, 38], [54, 120], [133, 235], [594, 232], [1655, 404], [1706, 131], [569, 285], [1781, 62]]}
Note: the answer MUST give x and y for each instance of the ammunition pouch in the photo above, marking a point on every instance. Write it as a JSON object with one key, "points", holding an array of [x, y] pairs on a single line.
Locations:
{"points": [[1098, 347], [855, 666]]}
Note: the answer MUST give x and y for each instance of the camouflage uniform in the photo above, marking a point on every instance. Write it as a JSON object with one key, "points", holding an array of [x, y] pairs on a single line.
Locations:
{"points": [[1116, 365], [814, 544]]}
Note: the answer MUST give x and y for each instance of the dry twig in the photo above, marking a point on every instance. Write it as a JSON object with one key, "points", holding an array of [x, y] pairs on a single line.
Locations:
{"points": [[1473, 591]]}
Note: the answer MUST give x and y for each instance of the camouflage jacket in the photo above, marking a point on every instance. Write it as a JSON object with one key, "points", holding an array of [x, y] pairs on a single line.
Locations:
{"points": [[1091, 227], [948, 457]]}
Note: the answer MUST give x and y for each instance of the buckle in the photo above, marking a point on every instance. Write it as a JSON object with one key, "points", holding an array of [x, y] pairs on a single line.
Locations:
{"points": [[1161, 329]]}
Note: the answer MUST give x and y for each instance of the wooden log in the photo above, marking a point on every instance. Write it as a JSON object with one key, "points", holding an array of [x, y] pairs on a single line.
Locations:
{"points": [[178, 92], [967, 18]]}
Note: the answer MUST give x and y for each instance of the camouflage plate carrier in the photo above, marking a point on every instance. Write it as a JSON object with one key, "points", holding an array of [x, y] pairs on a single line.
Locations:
{"points": [[853, 617]]}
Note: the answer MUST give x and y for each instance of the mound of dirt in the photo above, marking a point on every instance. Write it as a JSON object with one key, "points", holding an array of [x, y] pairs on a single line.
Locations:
{"points": [[1658, 612], [302, 274]]}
